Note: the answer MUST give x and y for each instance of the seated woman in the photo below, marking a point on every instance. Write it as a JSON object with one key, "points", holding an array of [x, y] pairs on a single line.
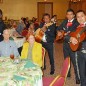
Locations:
{"points": [[32, 50]]}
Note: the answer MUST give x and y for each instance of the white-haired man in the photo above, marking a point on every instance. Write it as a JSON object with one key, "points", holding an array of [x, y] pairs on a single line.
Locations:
{"points": [[8, 47]]}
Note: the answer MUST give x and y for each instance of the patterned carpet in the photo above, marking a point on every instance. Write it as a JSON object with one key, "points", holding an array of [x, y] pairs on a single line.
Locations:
{"points": [[58, 55]]}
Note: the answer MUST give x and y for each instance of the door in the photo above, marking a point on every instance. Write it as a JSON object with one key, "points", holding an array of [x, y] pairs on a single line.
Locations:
{"points": [[44, 7]]}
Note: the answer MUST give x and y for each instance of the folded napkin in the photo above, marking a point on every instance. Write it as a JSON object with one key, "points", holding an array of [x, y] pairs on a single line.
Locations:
{"points": [[29, 64], [19, 78]]}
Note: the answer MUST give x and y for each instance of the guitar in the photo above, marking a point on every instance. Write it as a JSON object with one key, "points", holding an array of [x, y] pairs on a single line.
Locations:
{"points": [[80, 35], [40, 32], [61, 37]]}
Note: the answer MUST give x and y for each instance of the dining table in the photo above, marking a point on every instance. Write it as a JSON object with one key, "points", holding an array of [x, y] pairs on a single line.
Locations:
{"points": [[19, 72]]}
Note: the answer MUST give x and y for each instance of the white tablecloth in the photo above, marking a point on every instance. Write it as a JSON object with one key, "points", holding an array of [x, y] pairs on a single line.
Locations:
{"points": [[22, 74]]}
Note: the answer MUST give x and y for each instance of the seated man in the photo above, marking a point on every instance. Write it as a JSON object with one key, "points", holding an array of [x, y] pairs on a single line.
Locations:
{"points": [[8, 47], [32, 50]]}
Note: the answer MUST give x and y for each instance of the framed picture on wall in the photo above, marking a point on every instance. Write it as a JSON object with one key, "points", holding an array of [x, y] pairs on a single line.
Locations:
{"points": [[1, 1]]}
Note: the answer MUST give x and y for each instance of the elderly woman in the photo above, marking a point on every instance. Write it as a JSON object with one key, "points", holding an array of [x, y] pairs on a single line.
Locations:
{"points": [[32, 50]]}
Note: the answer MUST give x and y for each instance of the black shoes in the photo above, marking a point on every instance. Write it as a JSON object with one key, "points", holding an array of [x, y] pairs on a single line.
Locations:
{"points": [[52, 69], [52, 72], [77, 81], [69, 75]]}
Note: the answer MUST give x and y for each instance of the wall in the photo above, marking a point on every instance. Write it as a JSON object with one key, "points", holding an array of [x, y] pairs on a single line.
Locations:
{"points": [[81, 5], [15, 9]]}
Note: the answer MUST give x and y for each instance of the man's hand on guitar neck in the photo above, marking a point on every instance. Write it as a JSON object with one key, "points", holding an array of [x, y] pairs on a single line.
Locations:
{"points": [[73, 40], [59, 33], [67, 33], [44, 28]]}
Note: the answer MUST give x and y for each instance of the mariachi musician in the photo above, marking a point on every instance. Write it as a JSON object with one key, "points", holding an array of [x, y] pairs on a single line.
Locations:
{"points": [[81, 18], [69, 25], [48, 39]]}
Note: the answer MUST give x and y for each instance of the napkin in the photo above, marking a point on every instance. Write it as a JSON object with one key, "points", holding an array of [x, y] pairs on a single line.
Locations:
{"points": [[19, 78], [29, 64]]}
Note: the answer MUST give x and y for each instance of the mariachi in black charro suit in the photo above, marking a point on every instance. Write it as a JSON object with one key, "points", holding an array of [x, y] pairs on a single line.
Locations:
{"points": [[2, 25], [48, 45], [66, 48], [82, 60]]}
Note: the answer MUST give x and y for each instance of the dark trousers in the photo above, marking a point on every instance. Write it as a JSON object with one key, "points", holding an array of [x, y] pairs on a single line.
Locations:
{"points": [[82, 66], [69, 53], [19, 50], [49, 48]]}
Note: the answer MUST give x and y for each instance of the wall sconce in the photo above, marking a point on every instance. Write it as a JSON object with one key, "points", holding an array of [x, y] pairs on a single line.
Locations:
{"points": [[74, 1], [45, 0]]}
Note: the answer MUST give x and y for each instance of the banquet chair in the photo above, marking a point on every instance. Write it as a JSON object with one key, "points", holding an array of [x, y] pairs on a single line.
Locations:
{"points": [[66, 66], [43, 56], [60, 79], [47, 80]]}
